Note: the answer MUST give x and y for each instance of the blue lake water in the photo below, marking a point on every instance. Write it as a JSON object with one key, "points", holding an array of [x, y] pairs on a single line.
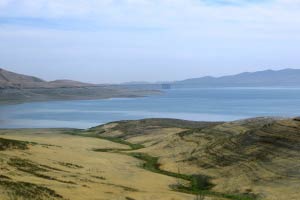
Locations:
{"points": [[218, 104]]}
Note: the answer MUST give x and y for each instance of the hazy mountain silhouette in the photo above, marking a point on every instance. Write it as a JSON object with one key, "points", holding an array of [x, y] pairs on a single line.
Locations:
{"points": [[14, 80], [285, 77]]}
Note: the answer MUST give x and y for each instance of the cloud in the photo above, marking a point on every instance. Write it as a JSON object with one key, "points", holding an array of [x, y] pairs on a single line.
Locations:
{"points": [[206, 18], [150, 33], [172, 14]]}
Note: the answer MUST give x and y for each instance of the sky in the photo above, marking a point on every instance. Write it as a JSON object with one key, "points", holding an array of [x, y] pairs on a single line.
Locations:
{"points": [[113, 41]]}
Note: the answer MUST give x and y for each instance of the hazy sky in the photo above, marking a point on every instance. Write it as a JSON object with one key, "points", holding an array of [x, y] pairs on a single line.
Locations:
{"points": [[147, 40]]}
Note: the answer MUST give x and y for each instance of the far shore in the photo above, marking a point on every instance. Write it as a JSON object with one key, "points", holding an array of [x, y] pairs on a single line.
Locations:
{"points": [[12, 96]]}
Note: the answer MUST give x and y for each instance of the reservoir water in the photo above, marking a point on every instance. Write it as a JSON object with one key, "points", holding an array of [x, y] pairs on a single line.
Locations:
{"points": [[200, 104]]}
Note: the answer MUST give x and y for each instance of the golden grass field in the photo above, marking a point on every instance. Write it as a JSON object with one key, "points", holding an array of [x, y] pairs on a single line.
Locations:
{"points": [[244, 160]]}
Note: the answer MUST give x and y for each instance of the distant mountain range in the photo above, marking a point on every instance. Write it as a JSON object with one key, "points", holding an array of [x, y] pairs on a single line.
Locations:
{"points": [[266, 78], [285, 77], [19, 88], [13, 80]]}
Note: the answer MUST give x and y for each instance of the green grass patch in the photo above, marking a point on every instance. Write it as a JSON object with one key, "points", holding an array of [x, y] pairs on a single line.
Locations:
{"points": [[151, 163], [199, 184], [194, 190], [121, 141], [112, 139]]}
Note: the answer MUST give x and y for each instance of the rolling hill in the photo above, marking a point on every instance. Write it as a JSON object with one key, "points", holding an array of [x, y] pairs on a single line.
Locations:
{"points": [[167, 159], [13, 80], [258, 158]]}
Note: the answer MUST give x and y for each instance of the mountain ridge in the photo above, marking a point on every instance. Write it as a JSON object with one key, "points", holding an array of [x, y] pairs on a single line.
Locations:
{"points": [[18, 88], [14, 80], [284, 77], [267, 78]]}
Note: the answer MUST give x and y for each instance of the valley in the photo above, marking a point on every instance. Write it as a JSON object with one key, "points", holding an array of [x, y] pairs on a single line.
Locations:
{"points": [[154, 159]]}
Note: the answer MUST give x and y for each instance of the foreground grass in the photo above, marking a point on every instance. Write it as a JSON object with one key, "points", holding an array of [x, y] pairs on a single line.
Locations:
{"points": [[198, 183], [25, 190]]}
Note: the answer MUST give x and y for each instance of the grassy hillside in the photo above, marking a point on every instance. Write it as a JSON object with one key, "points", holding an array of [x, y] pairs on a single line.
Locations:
{"points": [[256, 156], [154, 158]]}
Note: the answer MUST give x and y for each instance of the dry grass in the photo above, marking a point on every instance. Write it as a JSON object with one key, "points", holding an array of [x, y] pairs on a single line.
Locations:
{"points": [[70, 168], [250, 157], [142, 159]]}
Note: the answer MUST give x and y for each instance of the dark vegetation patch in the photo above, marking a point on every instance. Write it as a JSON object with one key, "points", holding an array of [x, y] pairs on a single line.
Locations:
{"points": [[25, 165], [99, 177], [6, 144], [110, 150], [196, 191], [297, 119], [125, 188], [198, 183], [32, 168], [50, 145], [52, 168], [9, 144], [201, 182], [4, 177], [70, 165], [129, 198], [25, 190]]}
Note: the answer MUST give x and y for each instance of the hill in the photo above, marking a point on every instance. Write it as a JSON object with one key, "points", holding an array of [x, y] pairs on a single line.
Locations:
{"points": [[19, 81], [15, 88], [249, 159], [12, 80], [255, 157], [267, 78]]}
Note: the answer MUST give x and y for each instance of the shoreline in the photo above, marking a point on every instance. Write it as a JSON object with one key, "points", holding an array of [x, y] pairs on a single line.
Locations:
{"points": [[241, 120], [123, 93]]}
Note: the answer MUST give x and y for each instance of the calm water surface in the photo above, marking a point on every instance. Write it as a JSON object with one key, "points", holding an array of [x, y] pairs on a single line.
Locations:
{"points": [[222, 104]]}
